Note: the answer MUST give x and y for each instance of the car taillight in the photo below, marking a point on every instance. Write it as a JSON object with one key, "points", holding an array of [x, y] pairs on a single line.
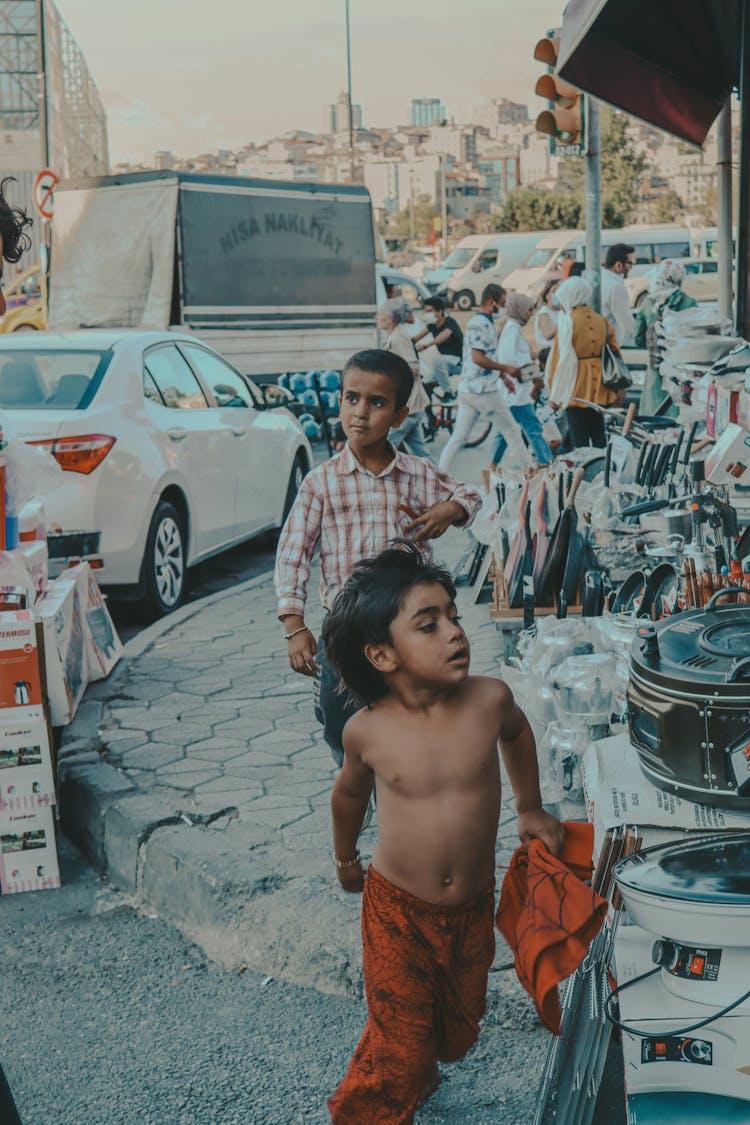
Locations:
{"points": [[79, 454]]}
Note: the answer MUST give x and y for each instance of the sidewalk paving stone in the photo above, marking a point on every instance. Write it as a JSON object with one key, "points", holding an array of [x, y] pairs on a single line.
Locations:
{"points": [[206, 716]]}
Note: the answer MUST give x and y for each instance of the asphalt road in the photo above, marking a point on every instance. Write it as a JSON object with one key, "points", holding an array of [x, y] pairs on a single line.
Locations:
{"points": [[111, 1017]]}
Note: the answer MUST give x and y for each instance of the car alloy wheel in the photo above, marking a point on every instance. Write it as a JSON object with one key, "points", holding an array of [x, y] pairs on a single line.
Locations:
{"points": [[164, 561], [169, 562], [465, 300]]}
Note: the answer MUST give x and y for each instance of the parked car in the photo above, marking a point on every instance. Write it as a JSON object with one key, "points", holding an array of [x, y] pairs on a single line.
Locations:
{"points": [[701, 280], [169, 454], [26, 302]]}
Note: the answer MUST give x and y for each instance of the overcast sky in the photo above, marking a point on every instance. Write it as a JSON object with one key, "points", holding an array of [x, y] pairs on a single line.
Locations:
{"points": [[194, 77]]}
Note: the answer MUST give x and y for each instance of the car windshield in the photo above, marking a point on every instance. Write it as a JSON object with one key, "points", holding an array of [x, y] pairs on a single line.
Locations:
{"points": [[540, 256], [461, 256], [49, 379]]}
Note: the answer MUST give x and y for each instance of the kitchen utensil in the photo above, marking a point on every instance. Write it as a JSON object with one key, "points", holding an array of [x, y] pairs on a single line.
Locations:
{"points": [[660, 587], [519, 540], [525, 564], [557, 552], [629, 591], [593, 594], [541, 538], [689, 702]]}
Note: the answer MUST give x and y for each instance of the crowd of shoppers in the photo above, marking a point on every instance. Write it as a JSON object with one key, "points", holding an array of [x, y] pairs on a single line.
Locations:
{"points": [[545, 351]]}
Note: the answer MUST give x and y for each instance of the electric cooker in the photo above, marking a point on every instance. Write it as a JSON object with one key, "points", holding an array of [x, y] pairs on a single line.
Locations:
{"points": [[688, 1026], [689, 703]]}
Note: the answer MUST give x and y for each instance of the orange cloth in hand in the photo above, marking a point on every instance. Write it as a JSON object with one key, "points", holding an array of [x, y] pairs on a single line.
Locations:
{"points": [[549, 916]]}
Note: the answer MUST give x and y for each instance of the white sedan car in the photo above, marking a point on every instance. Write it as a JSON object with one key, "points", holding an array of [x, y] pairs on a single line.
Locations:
{"points": [[169, 454]]}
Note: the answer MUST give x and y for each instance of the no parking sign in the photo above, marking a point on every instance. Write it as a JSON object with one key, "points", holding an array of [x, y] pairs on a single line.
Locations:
{"points": [[44, 186]]}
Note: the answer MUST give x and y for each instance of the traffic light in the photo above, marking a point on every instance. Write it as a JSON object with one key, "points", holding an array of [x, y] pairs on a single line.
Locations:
{"points": [[563, 121]]}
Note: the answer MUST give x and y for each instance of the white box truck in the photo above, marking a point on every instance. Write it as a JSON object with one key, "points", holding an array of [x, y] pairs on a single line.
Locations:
{"points": [[276, 276]]}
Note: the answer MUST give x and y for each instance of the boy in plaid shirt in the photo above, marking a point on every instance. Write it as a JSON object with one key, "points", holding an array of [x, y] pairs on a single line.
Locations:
{"points": [[351, 507]]}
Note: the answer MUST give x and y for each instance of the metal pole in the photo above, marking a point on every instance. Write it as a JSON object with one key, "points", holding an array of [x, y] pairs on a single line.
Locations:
{"points": [[43, 122], [743, 213], [593, 200], [726, 250], [349, 91], [444, 202]]}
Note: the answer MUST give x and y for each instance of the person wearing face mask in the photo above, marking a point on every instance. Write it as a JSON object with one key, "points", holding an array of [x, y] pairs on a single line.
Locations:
{"points": [[513, 350], [479, 394]]}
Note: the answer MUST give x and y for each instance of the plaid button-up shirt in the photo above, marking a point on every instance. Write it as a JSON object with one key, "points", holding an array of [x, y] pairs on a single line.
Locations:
{"points": [[351, 514]]}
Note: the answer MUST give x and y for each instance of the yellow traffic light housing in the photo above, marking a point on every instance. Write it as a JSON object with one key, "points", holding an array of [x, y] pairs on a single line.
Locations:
{"points": [[563, 121]]}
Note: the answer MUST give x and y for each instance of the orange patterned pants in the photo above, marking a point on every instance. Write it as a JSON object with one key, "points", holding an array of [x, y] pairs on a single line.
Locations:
{"points": [[426, 970]]}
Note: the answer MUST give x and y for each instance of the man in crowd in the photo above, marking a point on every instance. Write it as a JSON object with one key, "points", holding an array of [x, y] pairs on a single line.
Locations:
{"points": [[618, 263], [478, 392], [443, 333]]}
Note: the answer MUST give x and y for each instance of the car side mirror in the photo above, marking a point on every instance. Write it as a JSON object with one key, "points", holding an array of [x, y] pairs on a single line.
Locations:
{"points": [[274, 395]]}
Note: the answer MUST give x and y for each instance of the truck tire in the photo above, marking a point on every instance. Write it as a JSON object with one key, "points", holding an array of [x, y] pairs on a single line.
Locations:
{"points": [[464, 300], [164, 562]]}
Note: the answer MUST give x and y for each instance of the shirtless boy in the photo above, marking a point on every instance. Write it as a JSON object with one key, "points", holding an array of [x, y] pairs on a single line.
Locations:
{"points": [[428, 741]]}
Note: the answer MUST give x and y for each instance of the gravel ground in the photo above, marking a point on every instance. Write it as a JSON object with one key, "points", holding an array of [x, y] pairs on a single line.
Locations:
{"points": [[111, 1018]]}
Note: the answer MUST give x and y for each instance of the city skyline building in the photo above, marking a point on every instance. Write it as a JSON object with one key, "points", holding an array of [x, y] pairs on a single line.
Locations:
{"points": [[426, 111]]}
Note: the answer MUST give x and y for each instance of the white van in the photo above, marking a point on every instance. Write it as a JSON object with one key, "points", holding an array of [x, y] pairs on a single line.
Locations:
{"points": [[651, 244], [477, 261]]}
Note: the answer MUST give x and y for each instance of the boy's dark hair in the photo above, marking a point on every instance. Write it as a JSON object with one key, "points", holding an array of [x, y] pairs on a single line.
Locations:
{"points": [[492, 292], [377, 361], [364, 610], [13, 223], [436, 303], [617, 253]]}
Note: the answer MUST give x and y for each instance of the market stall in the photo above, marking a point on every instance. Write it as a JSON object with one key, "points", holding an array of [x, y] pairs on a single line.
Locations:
{"points": [[56, 636], [620, 584]]}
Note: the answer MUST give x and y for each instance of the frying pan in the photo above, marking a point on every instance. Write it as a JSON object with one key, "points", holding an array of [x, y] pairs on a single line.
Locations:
{"points": [[524, 566], [593, 594], [573, 569], [742, 549], [661, 583], [541, 537], [557, 552], [519, 540], [628, 592]]}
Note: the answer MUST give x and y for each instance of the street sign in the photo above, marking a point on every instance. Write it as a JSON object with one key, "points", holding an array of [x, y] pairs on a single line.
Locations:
{"points": [[44, 185]]}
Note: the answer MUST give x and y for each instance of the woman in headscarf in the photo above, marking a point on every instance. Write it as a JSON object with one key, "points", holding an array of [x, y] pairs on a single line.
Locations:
{"points": [[514, 350], [574, 369], [393, 316], [665, 294]]}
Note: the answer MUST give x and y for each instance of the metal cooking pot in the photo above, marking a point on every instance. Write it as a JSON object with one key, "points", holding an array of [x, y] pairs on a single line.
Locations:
{"points": [[689, 703]]}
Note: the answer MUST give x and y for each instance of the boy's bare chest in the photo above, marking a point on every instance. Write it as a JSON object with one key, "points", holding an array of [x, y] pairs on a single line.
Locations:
{"points": [[423, 756]]}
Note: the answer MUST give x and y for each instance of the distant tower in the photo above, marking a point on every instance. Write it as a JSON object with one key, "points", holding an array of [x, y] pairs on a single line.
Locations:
{"points": [[339, 115], [426, 111]]}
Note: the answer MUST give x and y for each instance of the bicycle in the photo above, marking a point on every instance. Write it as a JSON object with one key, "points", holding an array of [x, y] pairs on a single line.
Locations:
{"points": [[441, 415]]}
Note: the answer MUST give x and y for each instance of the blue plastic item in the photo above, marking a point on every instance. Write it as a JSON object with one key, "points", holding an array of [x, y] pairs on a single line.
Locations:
{"points": [[330, 380], [311, 377], [309, 398], [11, 532], [284, 380], [297, 383], [330, 402], [311, 429]]}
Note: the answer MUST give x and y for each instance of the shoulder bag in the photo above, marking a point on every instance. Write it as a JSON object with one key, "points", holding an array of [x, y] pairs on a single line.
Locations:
{"points": [[615, 373]]}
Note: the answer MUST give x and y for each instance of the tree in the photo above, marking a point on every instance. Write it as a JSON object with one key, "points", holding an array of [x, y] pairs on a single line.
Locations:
{"points": [[532, 208], [621, 164], [400, 225], [668, 207]]}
